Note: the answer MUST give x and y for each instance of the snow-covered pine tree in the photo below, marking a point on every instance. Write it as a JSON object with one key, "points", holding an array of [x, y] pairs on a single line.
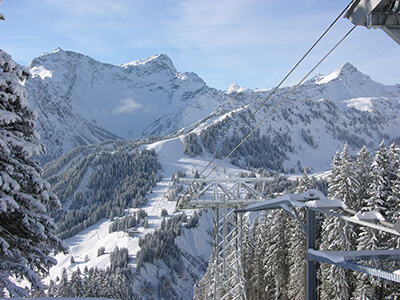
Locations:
{"points": [[393, 200], [381, 189], [76, 284], [396, 210], [256, 286], [337, 235], [392, 290], [202, 286], [305, 183], [297, 248], [248, 253], [64, 288], [121, 285], [344, 185], [26, 231], [364, 175], [275, 251]]}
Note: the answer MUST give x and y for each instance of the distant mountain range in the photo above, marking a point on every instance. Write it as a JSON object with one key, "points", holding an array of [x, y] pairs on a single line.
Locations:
{"points": [[81, 101]]}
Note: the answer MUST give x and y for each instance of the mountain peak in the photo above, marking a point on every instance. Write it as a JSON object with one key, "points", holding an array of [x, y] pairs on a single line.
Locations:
{"points": [[161, 60], [235, 88], [57, 56], [345, 71]]}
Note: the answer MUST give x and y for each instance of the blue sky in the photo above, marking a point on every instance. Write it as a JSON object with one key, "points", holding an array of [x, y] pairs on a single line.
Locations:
{"points": [[253, 43]]}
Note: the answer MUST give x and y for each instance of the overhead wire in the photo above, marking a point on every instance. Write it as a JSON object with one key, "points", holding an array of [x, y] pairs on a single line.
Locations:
{"points": [[269, 96], [292, 90], [276, 88], [280, 102]]}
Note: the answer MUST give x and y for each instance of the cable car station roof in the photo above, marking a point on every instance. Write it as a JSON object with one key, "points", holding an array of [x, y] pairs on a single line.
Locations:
{"points": [[383, 14]]}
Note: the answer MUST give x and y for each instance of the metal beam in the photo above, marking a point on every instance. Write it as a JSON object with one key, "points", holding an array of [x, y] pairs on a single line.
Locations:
{"points": [[394, 33], [324, 256], [311, 266], [209, 203], [379, 20], [383, 14], [200, 180], [357, 221], [360, 9], [361, 255]]}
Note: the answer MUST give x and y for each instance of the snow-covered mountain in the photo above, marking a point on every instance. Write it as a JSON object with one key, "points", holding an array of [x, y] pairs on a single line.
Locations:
{"points": [[82, 101], [308, 127]]}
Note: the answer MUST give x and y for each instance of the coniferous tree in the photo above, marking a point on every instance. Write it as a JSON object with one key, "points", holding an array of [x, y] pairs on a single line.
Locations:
{"points": [[64, 288], [296, 258], [297, 247], [393, 200], [381, 188], [203, 288], [364, 175], [121, 286], [338, 283], [392, 290], [305, 183], [27, 233], [52, 289], [371, 287], [248, 254], [76, 284], [258, 263], [276, 251]]}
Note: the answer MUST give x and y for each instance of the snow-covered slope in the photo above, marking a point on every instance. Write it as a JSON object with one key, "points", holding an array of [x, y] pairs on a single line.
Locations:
{"points": [[194, 244], [80, 100], [311, 125]]}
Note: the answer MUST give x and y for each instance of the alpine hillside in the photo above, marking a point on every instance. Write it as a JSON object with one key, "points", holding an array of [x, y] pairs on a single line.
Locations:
{"points": [[81, 101], [309, 126]]}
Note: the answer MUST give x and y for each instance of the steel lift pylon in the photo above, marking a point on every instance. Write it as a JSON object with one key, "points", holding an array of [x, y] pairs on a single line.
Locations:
{"points": [[224, 196]]}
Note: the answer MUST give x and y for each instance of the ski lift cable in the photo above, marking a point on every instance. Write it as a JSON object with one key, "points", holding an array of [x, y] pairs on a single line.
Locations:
{"points": [[280, 102], [291, 71], [277, 87]]}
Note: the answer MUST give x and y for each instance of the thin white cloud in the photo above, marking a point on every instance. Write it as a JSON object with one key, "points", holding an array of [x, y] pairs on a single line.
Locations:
{"points": [[126, 106]]}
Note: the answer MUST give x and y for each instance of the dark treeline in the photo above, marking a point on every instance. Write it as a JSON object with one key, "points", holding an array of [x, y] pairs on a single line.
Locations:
{"points": [[258, 151], [138, 218], [160, 244], [270, 145], [116, 181], [192, 145]]}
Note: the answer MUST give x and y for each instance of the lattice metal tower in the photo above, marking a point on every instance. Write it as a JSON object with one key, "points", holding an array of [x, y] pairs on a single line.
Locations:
{"points": [[224, 196]]}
